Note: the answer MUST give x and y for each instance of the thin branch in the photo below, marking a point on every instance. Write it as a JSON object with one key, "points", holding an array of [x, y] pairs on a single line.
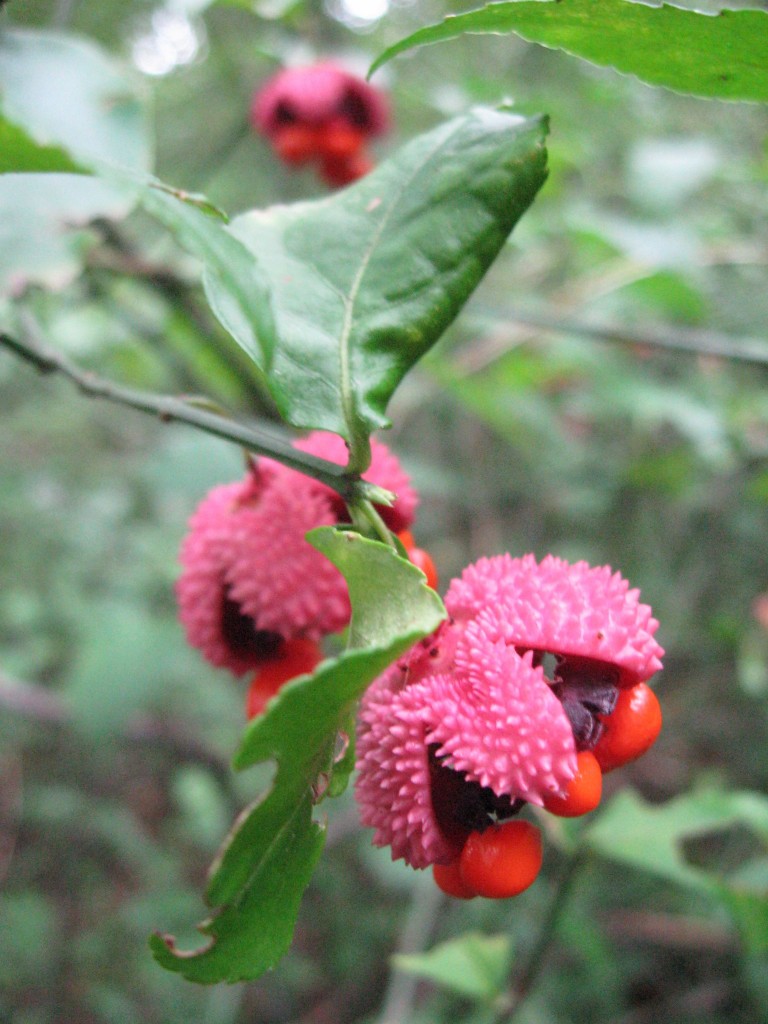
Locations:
{"points": [[118, 256], [369, 522], [676, 339], [673, 931], [695, 341], [169, 409]]}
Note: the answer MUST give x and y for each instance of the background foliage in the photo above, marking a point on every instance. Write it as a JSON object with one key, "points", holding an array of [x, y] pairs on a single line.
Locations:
{"points": [[643, 446]]}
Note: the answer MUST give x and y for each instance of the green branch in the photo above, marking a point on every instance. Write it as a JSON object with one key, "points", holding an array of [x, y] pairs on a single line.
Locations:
{"points": [[178, 410]]}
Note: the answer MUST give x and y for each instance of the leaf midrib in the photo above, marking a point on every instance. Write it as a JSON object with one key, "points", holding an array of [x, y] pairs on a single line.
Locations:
{"points": [[345, 382]]}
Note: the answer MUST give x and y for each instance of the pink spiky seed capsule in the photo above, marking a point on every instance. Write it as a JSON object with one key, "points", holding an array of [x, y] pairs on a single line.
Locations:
{"points": [[322, 112], [599, 633], [467, 727], [444, 756], [250, 580]]}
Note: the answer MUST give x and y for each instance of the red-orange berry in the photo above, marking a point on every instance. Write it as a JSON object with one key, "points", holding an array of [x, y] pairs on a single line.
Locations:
{"points": [[337, 171], [294, 658], [630, 729], [419, 557], [296, 143], [423, 560], [339, 140], [502, 861], [406, 539], [583, 792], [448, 878]]}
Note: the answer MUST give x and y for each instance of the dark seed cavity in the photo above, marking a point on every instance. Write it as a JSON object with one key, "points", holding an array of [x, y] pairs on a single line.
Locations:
{"points": [[587, 689], [242, 637], [461, 806]]}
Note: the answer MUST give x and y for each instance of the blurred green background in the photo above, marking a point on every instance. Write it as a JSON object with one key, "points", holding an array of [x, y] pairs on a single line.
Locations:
{"points": [[643, 446]]}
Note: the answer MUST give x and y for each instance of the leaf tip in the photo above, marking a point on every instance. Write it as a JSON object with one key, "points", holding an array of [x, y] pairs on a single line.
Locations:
{"points": [[165, 951]]}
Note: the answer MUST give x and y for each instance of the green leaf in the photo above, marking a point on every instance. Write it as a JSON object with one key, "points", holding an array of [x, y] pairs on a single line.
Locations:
{"points": [[723, 56], [42, 226], [473, 965], [64, 104], [365, 281], [388, 598], [649, 837], [265, 865], [750, 913], [65, 91], [236, 286], [18, 152]]}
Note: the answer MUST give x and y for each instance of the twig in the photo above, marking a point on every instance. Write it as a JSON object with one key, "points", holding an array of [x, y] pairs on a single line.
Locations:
{"points": [[369, 522], [119, 257], [169, 409], [697, 342], [672, 931], [693, 341]]}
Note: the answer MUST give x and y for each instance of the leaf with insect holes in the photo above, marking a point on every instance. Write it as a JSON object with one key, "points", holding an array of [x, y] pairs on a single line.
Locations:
{"points": [[720, 56], [263, 868]]}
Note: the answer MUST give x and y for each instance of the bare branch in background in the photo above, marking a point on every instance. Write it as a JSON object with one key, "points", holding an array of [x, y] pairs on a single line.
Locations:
{"points": [[521, 327]]}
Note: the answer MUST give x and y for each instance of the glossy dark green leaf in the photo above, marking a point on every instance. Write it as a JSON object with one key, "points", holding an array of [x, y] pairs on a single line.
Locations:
{"points": [[365, 281], [260, 875], [723, 56], [236, 286]]}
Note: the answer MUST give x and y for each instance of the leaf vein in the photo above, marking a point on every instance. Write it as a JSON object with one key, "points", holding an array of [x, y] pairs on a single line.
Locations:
{"points": [[345, 373]]}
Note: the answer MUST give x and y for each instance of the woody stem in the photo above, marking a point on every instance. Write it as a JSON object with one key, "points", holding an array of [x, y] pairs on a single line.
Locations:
{"points": [[170, 409]]}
